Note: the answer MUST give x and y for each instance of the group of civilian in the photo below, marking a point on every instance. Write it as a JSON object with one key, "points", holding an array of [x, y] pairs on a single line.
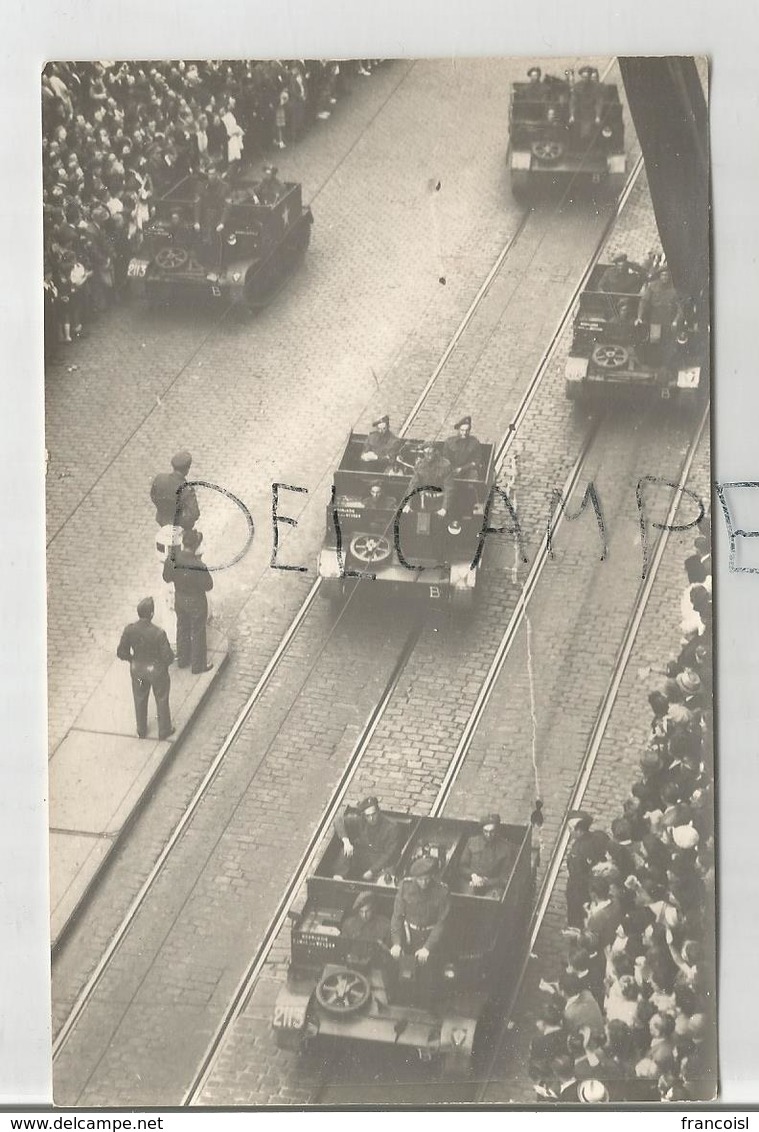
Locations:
{"points": [[631, 1016], [116, 135]]}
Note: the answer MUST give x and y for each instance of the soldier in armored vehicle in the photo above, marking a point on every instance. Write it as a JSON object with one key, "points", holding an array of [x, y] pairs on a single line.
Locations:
{"points": [[378, 499], [370, 840], [586, 100], [365, 923], [623, 277], [432, 471], [463, 450], [421, 907], [488, 859], [660, 307], [381, 445]]}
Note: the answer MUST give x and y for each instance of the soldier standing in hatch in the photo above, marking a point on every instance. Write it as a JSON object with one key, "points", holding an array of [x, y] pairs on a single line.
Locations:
{"points": [[421, 906], [146, 647]]}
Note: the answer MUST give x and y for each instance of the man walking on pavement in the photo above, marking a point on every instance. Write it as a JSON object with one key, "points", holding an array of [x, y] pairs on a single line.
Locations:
{"points": [[149, 653], [176, 509], [192, 581]]}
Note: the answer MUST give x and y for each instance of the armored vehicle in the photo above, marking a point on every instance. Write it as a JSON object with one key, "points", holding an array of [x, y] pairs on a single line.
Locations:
{"points": [[389, 544], [624, 341], [351, 989], [562, 131], [240, 256]]}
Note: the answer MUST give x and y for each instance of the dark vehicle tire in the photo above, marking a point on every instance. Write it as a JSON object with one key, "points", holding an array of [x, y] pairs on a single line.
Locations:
{"points": [[547, 150], [342, 991], [611, 356]]}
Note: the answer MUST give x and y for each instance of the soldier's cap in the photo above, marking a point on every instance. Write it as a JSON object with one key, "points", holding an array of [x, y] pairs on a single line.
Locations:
{"points": [[370, 803], [181, 460], [146, 607], [191, 539], [492, 820], [620, 258], [463, 421], [428, 446], [423, 867], [271, 170], [376, 483], [382, 420], [363, 900], [534, 71], [586, 70], [580, 819]]}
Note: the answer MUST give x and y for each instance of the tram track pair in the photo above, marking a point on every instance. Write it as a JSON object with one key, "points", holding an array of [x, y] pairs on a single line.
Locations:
{"points": [[89, 988]]}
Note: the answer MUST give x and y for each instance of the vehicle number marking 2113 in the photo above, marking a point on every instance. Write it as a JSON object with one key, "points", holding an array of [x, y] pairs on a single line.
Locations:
{"points": [[137, 268], [288, 1016]]}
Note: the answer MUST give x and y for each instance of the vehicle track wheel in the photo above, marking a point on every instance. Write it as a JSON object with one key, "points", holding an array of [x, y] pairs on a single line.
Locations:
{"points": [[342, 991], [171, 259], [547, 149], [370, 548], [611, 356]]}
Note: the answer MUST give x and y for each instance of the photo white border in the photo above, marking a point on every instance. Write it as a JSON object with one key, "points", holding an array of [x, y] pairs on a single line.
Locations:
{"points": [[727, 33]]}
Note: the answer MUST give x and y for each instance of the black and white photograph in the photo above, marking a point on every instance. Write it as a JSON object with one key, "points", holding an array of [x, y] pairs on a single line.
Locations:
{"points": [[379, 534]]}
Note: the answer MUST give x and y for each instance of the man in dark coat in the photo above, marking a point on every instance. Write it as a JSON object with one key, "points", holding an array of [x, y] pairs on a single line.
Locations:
{"points": [[432, 470], [421, 906], [147, 649], [463, 450], [381, 445], [175, 504], [192, 581], [585, 850], [370, 840], [488, 858], [270, 189]]}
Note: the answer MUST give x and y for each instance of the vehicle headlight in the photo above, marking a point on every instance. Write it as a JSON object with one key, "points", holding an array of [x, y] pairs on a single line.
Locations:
{"points": [[449, 972], [606, 132], [212, 277], [232, 239]]}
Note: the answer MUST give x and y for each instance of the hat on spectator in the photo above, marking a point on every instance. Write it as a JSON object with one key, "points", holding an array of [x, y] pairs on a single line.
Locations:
{"points": [[146, 607], [592, 1091], [685, 836], [580, 819], [423, 867], [688, 681], [181, 461]]}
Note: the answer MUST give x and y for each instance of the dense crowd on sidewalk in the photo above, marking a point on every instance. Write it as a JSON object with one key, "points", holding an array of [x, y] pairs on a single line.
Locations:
{"points": [[631, 1016], [116, 135]]}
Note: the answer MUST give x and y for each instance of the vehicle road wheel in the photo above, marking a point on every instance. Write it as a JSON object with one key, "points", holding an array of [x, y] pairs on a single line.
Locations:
{"points": [[171, 258], [342, 991], [611, 356], [370, 548], [547, 149]]}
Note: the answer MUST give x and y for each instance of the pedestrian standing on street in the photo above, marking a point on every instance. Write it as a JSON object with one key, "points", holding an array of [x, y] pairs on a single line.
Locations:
{"points": [[175, 504], [149, 653], [192, 581]]}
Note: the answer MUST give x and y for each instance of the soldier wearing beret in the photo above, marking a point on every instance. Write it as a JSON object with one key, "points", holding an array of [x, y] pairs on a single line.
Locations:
{"points": [[192, 580], [622, 276], [586, 100], [488, 858], [270, 188], [381, 445], [370, 840], [147, 649], [463, 450], [420, 910], [365, 923], [378, 499], [175, 504], [433, 471]]}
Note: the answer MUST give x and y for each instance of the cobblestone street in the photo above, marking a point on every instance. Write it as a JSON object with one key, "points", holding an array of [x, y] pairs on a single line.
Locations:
{"points": [[409, 186]]}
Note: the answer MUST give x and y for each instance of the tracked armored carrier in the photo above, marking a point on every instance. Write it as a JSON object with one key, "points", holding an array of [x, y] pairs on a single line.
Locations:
{"points": [[354, 990], [565, 134], [393, 547], [614, 350], [244, 263]]}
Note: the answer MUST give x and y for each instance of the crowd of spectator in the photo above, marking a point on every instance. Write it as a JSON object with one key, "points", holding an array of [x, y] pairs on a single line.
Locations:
{"points": [[631, 1016], [116, 135]]}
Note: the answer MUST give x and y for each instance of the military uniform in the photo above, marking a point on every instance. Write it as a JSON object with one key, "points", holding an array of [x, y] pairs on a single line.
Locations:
{"points": [[375, 845], [175, 504], [419, 914], [434, 471], [623, 278], [384, 445], [375, 930], [489, 858], [149, 653], [659, 306], [270, 190], [192, 581], [463, 453], [211, 205]]}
